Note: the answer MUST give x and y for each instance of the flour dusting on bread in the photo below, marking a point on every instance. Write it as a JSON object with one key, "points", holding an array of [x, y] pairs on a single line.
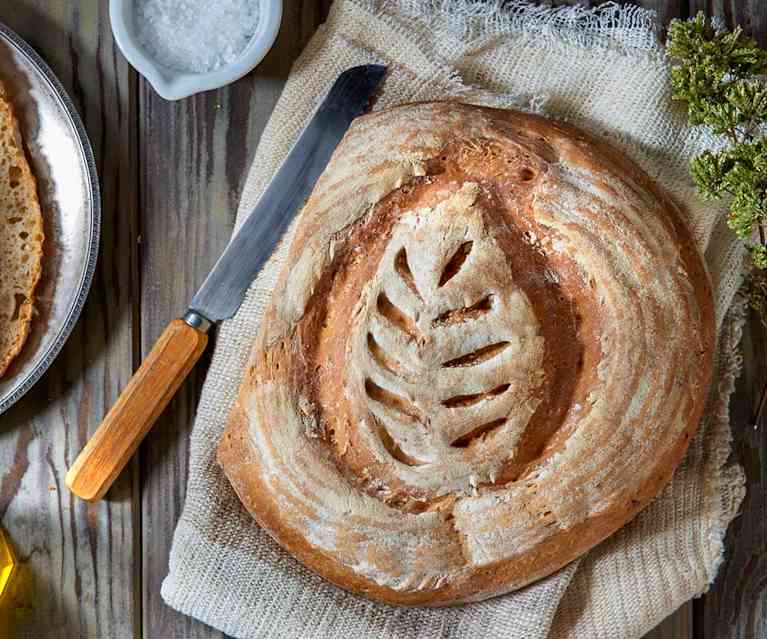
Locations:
{"points": [[488, 349]]}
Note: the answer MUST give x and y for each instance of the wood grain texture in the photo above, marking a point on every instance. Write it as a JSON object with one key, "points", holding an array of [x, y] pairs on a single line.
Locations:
{"points": [[94, 570], [194, 159], [749, 14], [736, 605], [76, 573], [678, 625], [163, 370]]}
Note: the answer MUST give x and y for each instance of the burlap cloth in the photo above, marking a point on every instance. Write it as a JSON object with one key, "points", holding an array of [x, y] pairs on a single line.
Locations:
{"points": [[604, 70]]}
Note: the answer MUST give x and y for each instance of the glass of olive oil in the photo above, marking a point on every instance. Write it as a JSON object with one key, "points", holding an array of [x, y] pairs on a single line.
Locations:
{"points": [[6, 563]]}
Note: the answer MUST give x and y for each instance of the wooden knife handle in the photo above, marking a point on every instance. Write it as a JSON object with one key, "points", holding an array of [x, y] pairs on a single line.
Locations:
{"points": [[138, 407]]}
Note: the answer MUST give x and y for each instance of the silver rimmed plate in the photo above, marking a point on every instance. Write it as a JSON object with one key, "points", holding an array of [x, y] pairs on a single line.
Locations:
{"points": [[62, 160]]}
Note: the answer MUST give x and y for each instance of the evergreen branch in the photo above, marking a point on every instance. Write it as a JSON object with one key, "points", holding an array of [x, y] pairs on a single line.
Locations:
{"points": [[715, 73]]}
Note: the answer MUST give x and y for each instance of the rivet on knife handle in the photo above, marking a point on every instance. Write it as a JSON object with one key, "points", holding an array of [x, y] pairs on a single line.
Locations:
{"points": [[147, 394]]}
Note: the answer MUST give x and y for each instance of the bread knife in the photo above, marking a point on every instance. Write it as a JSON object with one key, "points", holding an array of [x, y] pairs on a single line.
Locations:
{"points": [[182, 343]]}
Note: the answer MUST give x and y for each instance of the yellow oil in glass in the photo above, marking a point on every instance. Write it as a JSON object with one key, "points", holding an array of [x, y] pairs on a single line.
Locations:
{"points": [[6, 563]]}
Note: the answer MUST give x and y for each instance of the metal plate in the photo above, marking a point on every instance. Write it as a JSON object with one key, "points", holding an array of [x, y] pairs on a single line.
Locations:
{"points": [[67, 184]]}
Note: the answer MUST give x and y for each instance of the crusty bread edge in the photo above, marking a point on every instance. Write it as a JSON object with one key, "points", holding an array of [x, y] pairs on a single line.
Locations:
{"points": [[27, 309], [237, 457]]}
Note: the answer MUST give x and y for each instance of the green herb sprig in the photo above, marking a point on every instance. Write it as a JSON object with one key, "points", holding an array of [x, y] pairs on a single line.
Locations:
{"points": [[715, 74]]}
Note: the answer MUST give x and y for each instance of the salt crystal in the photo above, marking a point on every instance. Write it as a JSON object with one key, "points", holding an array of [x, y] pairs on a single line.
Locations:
{"points": [[195, 35]]}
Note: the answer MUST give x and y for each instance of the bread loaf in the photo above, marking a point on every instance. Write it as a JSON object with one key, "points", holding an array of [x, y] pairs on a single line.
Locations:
{"points": [[487, 351], [21, 238]]}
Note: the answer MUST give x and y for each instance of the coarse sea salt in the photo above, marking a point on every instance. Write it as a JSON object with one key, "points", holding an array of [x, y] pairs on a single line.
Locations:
{"points": [[195, 35]]}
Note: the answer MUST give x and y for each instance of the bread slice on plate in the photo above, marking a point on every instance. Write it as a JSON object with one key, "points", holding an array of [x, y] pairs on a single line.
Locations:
{"points": [[21, 238]]}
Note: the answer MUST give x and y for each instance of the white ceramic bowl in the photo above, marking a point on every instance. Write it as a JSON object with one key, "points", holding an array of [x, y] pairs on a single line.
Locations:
{"points": [[172, 84]]}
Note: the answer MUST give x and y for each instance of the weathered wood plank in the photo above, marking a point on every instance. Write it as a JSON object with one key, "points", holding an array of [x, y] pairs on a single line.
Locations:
{"points": [[76, 577], [736, 605], [750, 14], [194, 157], [678, 625]]}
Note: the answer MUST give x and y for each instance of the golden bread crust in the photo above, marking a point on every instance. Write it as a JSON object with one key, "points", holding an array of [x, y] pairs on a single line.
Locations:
{"points": [[488, 350], [21, 238]]}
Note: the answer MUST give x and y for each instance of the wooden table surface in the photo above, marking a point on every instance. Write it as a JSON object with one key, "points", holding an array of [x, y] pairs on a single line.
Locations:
{"points": [[171, 175]]}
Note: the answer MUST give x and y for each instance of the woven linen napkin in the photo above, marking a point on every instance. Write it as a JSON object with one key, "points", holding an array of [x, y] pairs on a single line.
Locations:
{"points": [[602, 69]]}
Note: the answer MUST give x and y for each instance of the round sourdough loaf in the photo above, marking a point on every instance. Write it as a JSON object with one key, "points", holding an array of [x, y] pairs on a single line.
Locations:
{"points": [[487, 351]]}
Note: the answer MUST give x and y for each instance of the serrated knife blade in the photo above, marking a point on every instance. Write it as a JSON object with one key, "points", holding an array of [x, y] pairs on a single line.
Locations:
{"points": [[221, 294]]}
